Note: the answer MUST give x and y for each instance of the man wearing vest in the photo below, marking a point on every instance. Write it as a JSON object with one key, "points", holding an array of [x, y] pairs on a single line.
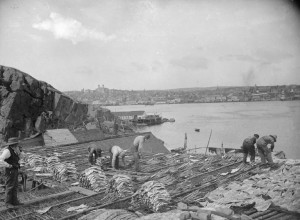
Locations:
{"points": [[10, 159]]}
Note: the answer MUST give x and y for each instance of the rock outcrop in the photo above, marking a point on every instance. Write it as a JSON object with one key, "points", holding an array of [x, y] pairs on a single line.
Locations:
{"points": [[28, 106]]}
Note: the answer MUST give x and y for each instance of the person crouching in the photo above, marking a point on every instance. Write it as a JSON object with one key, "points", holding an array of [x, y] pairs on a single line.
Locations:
{"points": [[115, 153], [249, 148], [263, 150], [94, 153]]}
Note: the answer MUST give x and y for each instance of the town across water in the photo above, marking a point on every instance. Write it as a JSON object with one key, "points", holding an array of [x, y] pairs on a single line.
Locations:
{"points": [[230, 123]]}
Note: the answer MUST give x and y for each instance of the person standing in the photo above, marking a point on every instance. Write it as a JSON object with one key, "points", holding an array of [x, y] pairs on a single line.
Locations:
{"points": [[116, 127], [10, 160], [115, 153], [95, 152], [263, 150], [249, 148], [138, 145]]}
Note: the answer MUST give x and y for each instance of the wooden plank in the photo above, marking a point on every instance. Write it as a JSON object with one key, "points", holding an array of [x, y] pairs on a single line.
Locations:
{"points": [[39, 200], [83, 191]]}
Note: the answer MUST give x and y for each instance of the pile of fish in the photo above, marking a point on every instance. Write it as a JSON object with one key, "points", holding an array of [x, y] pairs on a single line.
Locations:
{"points": [[34, 160], [62, 171], [52, 162], [99, 162], [39, 164], [93, 178], [121, 185], [152, 195]]}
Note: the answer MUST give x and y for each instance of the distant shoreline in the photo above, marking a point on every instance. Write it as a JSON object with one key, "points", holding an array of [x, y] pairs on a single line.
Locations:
{"points": [[201, 102]]}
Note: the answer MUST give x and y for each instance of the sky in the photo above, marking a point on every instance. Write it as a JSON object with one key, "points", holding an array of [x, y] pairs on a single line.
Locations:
{"points": [[152, 44]]}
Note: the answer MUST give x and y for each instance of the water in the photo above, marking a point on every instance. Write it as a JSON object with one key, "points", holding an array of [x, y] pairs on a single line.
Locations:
{"points": [[230, 123]]}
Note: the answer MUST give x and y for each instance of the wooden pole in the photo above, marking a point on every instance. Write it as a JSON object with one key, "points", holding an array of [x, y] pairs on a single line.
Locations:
{"points": [[208, 141]]}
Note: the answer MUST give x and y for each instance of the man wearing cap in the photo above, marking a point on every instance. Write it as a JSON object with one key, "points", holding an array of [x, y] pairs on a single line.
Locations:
{"points": [[94, 153], [10, 159], [249, 148], [115, 153], [263, 150], [138, 145]]}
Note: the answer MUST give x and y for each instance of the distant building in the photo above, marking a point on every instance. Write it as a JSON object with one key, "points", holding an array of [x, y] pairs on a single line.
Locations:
{"points": [[129, 115], [260, 97]]}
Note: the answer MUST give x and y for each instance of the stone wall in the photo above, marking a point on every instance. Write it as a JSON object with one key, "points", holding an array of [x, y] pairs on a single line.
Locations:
{"points": [[28, 106]]}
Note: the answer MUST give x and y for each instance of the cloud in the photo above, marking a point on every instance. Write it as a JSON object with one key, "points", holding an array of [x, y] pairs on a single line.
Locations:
{"points": [[273, 55], [190, 62], [85, 71], [240, 57], [156, 65], [70, 29], [139, 67]]}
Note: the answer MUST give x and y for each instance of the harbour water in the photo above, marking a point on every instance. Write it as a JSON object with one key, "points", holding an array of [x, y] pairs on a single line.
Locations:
{"points": [[230, 123]]}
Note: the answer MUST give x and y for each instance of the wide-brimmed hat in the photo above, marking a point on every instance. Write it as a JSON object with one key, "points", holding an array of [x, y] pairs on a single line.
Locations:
{"points": [[274, 137], [12, 141]]}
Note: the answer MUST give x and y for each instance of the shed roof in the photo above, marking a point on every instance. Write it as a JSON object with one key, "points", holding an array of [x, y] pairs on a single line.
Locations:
{"points": [[128, 113]]}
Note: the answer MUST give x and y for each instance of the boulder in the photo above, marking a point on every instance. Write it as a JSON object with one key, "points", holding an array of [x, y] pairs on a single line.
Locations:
{"points": [[24, 100]]}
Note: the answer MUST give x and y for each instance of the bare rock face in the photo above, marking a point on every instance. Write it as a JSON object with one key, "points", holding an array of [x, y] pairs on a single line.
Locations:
{"points": [[28, 106]]}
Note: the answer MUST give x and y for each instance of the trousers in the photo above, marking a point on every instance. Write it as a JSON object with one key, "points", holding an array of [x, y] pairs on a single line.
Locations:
{"points": [[248, 149], [136, 158], [116, 162], [265, 154], [11, 191]]}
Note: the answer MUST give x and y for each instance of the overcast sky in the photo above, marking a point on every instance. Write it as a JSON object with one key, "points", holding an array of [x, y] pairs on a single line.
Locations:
{"points": [[152, 44]]}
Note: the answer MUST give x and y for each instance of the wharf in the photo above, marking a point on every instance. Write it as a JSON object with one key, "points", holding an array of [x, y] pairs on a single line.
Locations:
{"points": [[187, 177]]}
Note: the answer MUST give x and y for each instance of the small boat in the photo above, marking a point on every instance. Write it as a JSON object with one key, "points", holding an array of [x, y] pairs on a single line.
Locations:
{"points": [[172, 120], [197, 129]]}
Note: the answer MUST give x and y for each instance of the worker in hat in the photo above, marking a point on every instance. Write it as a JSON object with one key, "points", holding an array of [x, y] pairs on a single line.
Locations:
{"points": [[10, 160], [249, 148], [136, 149], [263, 150], [115, 153], [95, 152]]}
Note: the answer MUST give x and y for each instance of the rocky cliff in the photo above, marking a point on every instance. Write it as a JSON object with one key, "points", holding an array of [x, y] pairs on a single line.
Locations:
{"points": [[28, 106]]}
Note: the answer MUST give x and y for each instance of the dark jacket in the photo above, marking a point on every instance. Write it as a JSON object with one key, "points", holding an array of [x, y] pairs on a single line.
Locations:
{"points": [[250, 141], [264, 141]]}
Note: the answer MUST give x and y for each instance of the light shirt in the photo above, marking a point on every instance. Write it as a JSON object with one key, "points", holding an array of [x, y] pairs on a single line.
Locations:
{"points": [[5, 155], [139, 142], [116, 151]]}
